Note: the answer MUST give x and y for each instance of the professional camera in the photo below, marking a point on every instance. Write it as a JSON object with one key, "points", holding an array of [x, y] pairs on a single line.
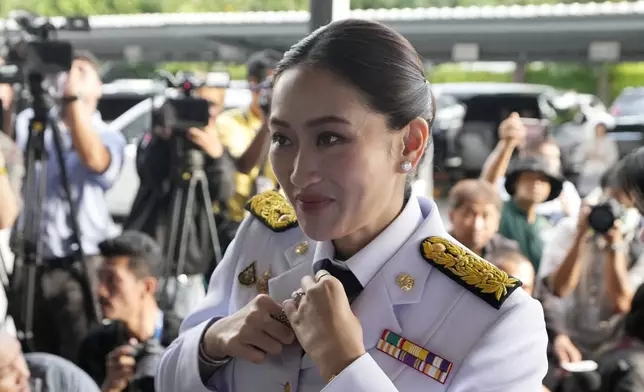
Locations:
{"points": [[30, 49], [147, 356], [186, 109], [602, 216]]}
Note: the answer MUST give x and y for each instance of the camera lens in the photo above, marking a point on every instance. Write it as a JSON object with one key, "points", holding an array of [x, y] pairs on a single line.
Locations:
{"points": [[602, 217]]}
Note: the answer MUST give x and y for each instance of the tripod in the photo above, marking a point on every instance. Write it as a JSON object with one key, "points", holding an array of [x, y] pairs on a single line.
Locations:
{"points": [[27, 247], [190, 190]]}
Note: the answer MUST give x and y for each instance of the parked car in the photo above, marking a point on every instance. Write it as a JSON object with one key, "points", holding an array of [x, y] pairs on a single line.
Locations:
{"points": [[133, 123], [628, 110]]}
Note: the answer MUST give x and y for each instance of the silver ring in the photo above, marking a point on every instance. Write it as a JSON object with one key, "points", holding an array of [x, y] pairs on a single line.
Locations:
{"points": [[297, 296], [319, 278]]}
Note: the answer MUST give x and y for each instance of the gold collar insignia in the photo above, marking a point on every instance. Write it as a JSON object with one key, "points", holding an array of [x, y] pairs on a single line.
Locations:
{"points": [[470, 271]]}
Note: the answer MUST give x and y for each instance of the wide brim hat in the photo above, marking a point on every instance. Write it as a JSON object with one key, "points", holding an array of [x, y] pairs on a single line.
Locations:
{"points": [[534, 164]]}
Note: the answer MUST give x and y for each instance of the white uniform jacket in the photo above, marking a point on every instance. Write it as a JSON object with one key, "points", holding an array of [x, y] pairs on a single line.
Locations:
{"points": [[418, 283]]}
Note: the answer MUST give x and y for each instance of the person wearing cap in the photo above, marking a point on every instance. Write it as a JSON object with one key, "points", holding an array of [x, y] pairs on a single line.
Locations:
{"points": [[530, 182], [513, 139], [128, 281], [594, 275], [93, 156]]}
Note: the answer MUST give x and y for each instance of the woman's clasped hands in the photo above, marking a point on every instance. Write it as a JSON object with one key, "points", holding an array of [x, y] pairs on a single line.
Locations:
{"points": [[324, 324], [320, 318]]}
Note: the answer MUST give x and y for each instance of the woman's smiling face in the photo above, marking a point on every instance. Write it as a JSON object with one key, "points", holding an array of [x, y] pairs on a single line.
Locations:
{"points": [[335, 158]]}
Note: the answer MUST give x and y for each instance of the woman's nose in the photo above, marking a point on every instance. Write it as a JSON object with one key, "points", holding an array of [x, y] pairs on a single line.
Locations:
{"points": [[305, 170]]}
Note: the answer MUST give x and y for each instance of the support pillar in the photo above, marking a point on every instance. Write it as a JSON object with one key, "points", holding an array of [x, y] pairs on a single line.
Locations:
{"points": [[324, 12], [603, 83], [518, 76]]}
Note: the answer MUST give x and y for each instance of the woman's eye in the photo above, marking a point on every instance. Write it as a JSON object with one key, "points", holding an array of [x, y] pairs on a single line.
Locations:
{"points": [[328, 139], [280, 140]]}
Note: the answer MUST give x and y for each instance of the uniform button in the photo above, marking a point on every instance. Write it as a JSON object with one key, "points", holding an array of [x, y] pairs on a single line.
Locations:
{"points": [[405, 282], [183, 279], [594, 289], [603, 324], [302, 248]]}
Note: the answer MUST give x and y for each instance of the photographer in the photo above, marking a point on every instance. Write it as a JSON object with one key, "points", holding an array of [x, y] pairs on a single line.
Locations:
{"points": [[93, 155], [594, 270], [127, 288], [159, 164], [244, 133]]}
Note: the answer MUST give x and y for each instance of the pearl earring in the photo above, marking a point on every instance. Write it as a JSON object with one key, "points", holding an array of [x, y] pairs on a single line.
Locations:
{"points": [[406, 166]]}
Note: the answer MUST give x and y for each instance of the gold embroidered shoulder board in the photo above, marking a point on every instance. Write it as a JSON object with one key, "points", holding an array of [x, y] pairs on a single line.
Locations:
{"points": [[470, 271], [273, 210]]}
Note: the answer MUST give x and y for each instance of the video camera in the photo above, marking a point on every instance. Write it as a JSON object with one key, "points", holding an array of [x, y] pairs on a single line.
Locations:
{"points": [[183, 109], [29, 49]]}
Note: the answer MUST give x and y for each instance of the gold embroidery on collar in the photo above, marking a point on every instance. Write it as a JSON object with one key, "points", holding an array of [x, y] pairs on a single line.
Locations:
{"points": [[470, 271], [273, 210]]}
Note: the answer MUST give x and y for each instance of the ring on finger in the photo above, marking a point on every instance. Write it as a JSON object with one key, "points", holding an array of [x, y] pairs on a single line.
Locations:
{"points": [[282, 318], [322, 275], [297, 296]]}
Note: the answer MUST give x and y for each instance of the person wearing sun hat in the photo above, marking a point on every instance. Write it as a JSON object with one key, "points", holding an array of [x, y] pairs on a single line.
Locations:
{"points": [[529, 182]]}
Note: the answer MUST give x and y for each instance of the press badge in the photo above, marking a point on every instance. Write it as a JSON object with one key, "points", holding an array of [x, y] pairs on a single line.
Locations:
{"points": [[263, 184]]}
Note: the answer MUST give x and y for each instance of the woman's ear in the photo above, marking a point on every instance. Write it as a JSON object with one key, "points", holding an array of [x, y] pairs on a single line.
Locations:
{"points": [[415, 141]]}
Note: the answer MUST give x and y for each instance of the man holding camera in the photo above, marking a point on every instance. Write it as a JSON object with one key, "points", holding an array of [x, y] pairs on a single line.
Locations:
{"points": [[594, 270], [161, 159], [92, 155], [122, 353], [244, 133]]}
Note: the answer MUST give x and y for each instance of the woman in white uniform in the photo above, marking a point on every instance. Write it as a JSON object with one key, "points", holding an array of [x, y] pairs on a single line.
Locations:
{"points": [[351, 283]]}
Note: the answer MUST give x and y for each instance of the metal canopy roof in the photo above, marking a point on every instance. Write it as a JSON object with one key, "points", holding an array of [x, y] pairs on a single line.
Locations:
{"points": [[560, 32]]}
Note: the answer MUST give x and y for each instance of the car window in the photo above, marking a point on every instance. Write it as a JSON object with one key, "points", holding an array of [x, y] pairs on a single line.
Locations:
{"points": [[137, 127], [630, 102]]}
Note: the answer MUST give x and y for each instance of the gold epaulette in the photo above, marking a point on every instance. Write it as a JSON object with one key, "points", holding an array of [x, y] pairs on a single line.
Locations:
{"points": [[470, 271], [273, 210]]}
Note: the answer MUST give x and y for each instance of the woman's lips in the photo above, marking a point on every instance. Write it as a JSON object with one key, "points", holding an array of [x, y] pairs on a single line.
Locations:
{"points": [[312, 203]]}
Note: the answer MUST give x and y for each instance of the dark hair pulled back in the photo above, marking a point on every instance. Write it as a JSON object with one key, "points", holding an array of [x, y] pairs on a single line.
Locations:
{"points": [[630, 176], [374, 58]]}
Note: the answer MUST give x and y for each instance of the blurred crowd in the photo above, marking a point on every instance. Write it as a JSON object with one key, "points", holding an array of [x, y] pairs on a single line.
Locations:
{"points": [[98, 318]]}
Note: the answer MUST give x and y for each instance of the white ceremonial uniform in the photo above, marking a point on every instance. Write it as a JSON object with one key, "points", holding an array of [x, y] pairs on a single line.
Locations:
{"points": [[495, 344]]}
